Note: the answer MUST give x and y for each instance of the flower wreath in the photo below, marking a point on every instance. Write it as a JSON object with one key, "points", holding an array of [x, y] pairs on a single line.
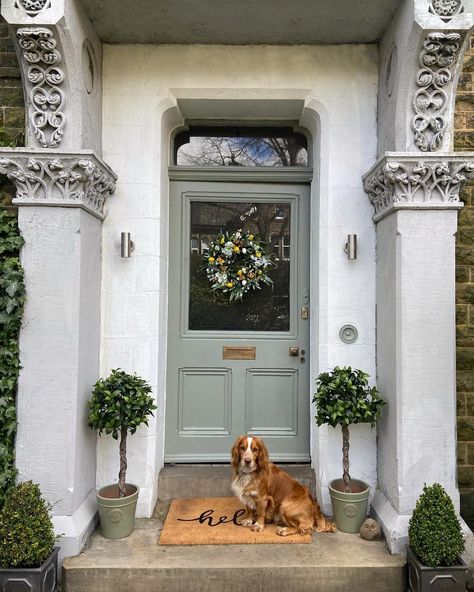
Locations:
{"points": [[236, 263]]}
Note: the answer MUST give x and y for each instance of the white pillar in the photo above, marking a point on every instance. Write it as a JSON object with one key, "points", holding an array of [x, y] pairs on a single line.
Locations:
{"points": [[61, 199], [416, 205]]}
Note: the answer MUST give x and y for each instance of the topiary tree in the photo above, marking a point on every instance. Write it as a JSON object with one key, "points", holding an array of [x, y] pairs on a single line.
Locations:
{"points": [[120, 403], [434, 532], [26, 531], [344, 397]]}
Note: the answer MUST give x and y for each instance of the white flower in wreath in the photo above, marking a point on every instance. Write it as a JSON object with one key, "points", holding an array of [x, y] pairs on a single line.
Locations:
{"points": [[244, 282], [244, 250]]}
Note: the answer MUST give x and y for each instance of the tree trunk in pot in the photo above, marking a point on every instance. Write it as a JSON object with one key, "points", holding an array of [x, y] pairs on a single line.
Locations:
{"points": [[345, 459], [123, 461]]}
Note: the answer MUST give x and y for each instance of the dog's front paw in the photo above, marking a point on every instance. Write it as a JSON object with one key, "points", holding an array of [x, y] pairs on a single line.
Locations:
{"points": [[246, 522], [282, 531], [257, 527]]}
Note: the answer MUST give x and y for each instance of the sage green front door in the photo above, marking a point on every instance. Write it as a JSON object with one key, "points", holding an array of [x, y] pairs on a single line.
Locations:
{"points": [[238, 367]]}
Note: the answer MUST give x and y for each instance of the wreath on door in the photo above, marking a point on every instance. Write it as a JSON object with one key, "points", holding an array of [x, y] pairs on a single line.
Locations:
{"points": [[237, 263]]}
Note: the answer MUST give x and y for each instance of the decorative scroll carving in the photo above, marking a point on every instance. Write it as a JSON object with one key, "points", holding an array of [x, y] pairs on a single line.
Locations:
{"points": [[446, 9], [32, 7], [416, 183], [437, 61], [46, 97], [69, 180]]}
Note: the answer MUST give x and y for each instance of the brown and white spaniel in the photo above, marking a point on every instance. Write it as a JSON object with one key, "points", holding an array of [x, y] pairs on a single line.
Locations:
{"points": [[271, 495]]}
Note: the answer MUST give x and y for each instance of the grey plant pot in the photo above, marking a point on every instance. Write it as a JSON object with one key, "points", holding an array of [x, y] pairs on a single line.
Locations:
{"points": [[422, 578], [350, 509], [117, 514], [32, 579]]}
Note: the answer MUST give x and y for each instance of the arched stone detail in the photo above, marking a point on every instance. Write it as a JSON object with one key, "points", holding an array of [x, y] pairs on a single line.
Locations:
{"points": [[417, 90], [43, 79], [60, 58], [438, 61]]}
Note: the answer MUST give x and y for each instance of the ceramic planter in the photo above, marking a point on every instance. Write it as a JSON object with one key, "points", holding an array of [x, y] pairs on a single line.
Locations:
{"points": [[422, 578], [350, 509], [32, 579], [117, 514]]}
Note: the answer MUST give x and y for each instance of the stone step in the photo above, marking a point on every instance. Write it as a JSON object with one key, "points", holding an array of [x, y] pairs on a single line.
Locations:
{"points": [[331, 563], [214, 480]]}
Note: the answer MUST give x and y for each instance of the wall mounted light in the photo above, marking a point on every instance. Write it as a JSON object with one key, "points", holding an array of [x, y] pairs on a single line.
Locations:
{"points": [[350, 247], [126, 245]]}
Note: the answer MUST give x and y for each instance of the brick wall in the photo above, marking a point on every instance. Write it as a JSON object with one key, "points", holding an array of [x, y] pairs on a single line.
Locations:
{"points": [[12, 105], [464, 140]]}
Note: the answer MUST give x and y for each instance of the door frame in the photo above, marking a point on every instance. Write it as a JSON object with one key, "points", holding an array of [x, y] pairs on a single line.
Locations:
{"points": [[293, 175]]}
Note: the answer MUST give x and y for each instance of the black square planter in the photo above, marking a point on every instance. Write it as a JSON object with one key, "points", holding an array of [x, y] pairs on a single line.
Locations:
{"points": [[31, 579], [422, 578]]}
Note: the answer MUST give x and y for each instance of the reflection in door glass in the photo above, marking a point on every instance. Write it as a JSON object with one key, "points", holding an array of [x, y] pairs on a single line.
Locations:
{"points": [[267, 309]]}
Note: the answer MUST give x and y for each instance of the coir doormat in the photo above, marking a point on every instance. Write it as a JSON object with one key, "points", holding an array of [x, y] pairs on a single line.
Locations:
{"points": [[216, 521]]}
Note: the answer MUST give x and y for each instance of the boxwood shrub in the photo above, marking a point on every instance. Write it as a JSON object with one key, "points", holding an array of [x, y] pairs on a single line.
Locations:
{"points": [[26, 531], [434, 531]]}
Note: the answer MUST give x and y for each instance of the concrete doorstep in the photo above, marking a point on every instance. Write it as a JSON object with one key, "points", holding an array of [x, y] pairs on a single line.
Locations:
{"points": [[332, 562]]}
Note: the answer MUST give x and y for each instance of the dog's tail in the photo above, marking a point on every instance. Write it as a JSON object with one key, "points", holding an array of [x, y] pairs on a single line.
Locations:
{"points": [[320, 522]]}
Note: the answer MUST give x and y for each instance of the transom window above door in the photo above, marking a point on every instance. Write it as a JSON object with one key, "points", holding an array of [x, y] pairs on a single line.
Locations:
{"points": [[233, 146]]}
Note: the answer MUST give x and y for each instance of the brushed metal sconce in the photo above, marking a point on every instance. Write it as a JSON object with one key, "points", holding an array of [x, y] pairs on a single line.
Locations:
{"points": [[350, 247], [126, 245]]}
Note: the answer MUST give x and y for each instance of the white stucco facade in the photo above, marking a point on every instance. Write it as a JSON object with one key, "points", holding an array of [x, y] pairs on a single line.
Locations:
{"points": [[90, 311], [330, 91]]}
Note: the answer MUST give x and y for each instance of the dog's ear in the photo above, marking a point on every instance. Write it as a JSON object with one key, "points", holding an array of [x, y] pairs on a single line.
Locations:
{"points": [[235, 454], [262, 458]]}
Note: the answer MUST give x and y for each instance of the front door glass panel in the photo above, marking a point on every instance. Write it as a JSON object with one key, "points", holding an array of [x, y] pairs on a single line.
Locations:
{"points": [[267, 309]]}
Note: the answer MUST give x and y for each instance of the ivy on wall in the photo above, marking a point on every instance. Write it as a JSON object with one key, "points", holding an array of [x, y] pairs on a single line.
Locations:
{"points": [[12, 299]]}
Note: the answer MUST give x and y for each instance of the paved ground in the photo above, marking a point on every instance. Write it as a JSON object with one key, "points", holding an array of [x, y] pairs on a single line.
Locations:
{"points": [[138, 564]]}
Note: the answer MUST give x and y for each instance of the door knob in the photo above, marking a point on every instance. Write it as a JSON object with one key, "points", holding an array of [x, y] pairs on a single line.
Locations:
{"points": [[294, 352]]}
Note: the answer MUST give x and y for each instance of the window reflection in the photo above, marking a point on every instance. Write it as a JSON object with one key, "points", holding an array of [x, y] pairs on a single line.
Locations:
{"points": [[261, 310], [251, 147]]}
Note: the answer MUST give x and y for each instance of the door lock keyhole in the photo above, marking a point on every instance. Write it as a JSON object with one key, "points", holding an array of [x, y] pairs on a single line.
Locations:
{"points": [[302, 359]]}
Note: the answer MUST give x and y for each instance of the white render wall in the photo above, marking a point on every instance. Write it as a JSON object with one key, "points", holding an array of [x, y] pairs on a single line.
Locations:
{"points": [[148, 91]]}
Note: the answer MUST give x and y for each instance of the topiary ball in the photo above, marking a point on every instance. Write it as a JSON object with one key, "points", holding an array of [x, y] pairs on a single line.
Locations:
{"points": [[434, 531], [26, 532]]}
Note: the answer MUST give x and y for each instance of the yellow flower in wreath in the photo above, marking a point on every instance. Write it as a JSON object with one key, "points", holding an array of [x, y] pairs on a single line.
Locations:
{"points": [[236, 249], [211, 259], [230, 284]]}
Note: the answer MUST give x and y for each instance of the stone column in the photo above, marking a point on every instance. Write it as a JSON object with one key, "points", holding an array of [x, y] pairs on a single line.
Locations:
{"points": [[416, 203], [61, 192], [414, 188], [61, 199]]}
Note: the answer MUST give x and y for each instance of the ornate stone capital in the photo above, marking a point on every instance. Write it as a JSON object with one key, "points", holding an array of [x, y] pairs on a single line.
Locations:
{"points": [[404, 180], [43, 178]]}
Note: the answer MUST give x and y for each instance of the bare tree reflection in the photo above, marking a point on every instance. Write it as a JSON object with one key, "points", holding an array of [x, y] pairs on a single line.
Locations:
{"points": [[242, 151]]}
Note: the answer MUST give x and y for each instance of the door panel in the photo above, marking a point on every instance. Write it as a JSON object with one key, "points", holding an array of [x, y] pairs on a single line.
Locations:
{"points": [[212, 397]]}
